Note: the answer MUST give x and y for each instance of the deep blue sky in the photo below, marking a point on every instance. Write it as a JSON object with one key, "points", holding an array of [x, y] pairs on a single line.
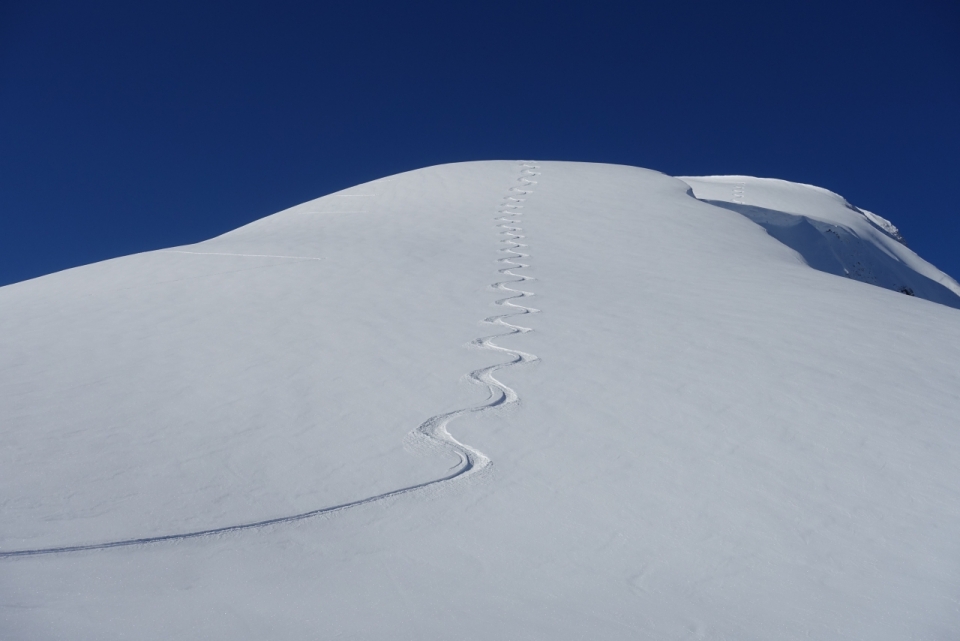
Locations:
{"points": [[128, 126]]}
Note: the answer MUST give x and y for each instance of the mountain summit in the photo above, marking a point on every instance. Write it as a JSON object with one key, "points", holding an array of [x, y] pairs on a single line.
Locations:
{"points": [[491, 400]]}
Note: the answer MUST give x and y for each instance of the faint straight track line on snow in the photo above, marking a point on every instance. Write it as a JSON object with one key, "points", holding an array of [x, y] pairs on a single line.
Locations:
{"points": [[177, 251], [432, 432]]}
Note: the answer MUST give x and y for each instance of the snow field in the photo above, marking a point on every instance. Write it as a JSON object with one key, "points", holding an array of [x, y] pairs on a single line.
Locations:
{"points": [[716, 440]]}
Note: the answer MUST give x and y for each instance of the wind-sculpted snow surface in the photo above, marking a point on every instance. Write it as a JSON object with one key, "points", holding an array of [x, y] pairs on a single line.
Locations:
{"points": [[830, 234], [726, 435]]}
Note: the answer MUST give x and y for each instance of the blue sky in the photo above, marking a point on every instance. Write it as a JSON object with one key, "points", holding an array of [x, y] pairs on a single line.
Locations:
{"points": [[128, 126]]}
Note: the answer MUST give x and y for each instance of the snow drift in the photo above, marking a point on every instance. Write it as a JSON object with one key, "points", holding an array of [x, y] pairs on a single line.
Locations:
{"points": [[726, 420], [830, 234]]}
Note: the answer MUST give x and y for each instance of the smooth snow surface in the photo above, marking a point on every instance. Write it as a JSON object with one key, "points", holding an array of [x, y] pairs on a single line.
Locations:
{"points": [[701, 434]]}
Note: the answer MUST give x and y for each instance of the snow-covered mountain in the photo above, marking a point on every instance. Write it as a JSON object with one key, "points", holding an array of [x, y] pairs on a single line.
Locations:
{"points": [[830, 234], [496, 400]]}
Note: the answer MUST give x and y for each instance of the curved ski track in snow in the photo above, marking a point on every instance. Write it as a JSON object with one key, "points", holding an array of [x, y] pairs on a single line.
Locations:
{"points": [[432, 433]]}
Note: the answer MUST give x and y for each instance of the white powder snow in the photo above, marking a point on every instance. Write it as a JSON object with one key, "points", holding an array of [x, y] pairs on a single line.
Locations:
{"points": [[726, 432]]}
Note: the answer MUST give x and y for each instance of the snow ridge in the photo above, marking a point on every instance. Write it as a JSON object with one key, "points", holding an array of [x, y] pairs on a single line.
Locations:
{"points": [[432, 433]]}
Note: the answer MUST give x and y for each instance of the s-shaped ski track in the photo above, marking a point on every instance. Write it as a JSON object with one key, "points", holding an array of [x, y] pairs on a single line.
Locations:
{"points": [[432, 433]]}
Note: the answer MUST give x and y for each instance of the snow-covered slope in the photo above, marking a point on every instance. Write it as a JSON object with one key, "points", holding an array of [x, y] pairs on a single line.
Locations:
{"points": [[830, 234], [698, 435]]}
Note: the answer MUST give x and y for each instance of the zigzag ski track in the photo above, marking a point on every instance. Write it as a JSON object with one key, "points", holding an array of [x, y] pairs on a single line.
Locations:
{"points": [[432, 433]]}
